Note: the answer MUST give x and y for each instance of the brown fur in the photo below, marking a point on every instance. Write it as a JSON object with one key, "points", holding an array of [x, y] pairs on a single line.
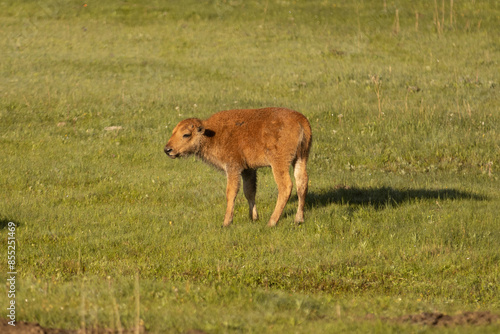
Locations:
{"points": [[240, 141]]}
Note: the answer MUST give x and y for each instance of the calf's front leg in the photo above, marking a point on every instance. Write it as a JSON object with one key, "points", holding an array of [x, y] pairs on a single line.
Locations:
{"points": [[233, 185]]}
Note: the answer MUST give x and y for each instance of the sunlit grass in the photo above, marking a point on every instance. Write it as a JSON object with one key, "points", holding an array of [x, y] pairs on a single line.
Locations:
{"points": [[401, 215]]}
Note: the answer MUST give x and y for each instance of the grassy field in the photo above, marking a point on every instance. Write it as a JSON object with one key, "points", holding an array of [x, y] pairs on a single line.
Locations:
{"points": [[402, 215]]}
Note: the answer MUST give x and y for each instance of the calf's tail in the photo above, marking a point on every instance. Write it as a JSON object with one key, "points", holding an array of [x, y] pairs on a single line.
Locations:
{"points": [[305, 140]]}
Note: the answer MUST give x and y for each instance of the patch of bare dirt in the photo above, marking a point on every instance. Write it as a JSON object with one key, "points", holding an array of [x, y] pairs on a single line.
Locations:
{"points": [[22, 327], [441, 319]]}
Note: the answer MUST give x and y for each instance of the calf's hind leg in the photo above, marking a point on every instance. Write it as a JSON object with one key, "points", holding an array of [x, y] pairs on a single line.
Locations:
{"points": [[301, 179], [250, 188], [282, 178]]}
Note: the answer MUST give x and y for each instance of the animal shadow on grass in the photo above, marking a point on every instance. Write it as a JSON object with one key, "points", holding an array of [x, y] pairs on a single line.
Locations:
{"points": [[380, 198]]}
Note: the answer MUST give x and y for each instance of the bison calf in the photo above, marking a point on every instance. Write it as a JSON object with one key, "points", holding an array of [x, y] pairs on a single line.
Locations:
{"points": [[240, 141]]}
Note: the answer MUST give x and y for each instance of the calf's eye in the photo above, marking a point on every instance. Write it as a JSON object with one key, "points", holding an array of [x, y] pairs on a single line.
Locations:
{"points": [[187, 135]]}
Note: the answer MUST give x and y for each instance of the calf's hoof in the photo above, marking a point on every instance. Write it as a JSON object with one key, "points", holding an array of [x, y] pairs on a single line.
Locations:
{"points": [[299, 220], [271, 224]]}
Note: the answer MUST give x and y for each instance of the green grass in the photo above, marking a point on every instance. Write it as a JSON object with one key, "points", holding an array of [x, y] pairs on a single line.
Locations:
{"points": [[402, 211]]}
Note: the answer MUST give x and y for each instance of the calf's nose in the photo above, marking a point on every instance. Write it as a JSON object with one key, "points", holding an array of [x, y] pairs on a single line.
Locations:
{"points": [[167, 149]]}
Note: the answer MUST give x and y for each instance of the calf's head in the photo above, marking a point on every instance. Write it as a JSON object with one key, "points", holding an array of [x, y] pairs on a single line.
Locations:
{"points": [[186, 138]]}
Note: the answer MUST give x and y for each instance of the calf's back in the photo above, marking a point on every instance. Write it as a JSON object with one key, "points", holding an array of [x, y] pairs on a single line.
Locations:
{"points": [[252, 138]]}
